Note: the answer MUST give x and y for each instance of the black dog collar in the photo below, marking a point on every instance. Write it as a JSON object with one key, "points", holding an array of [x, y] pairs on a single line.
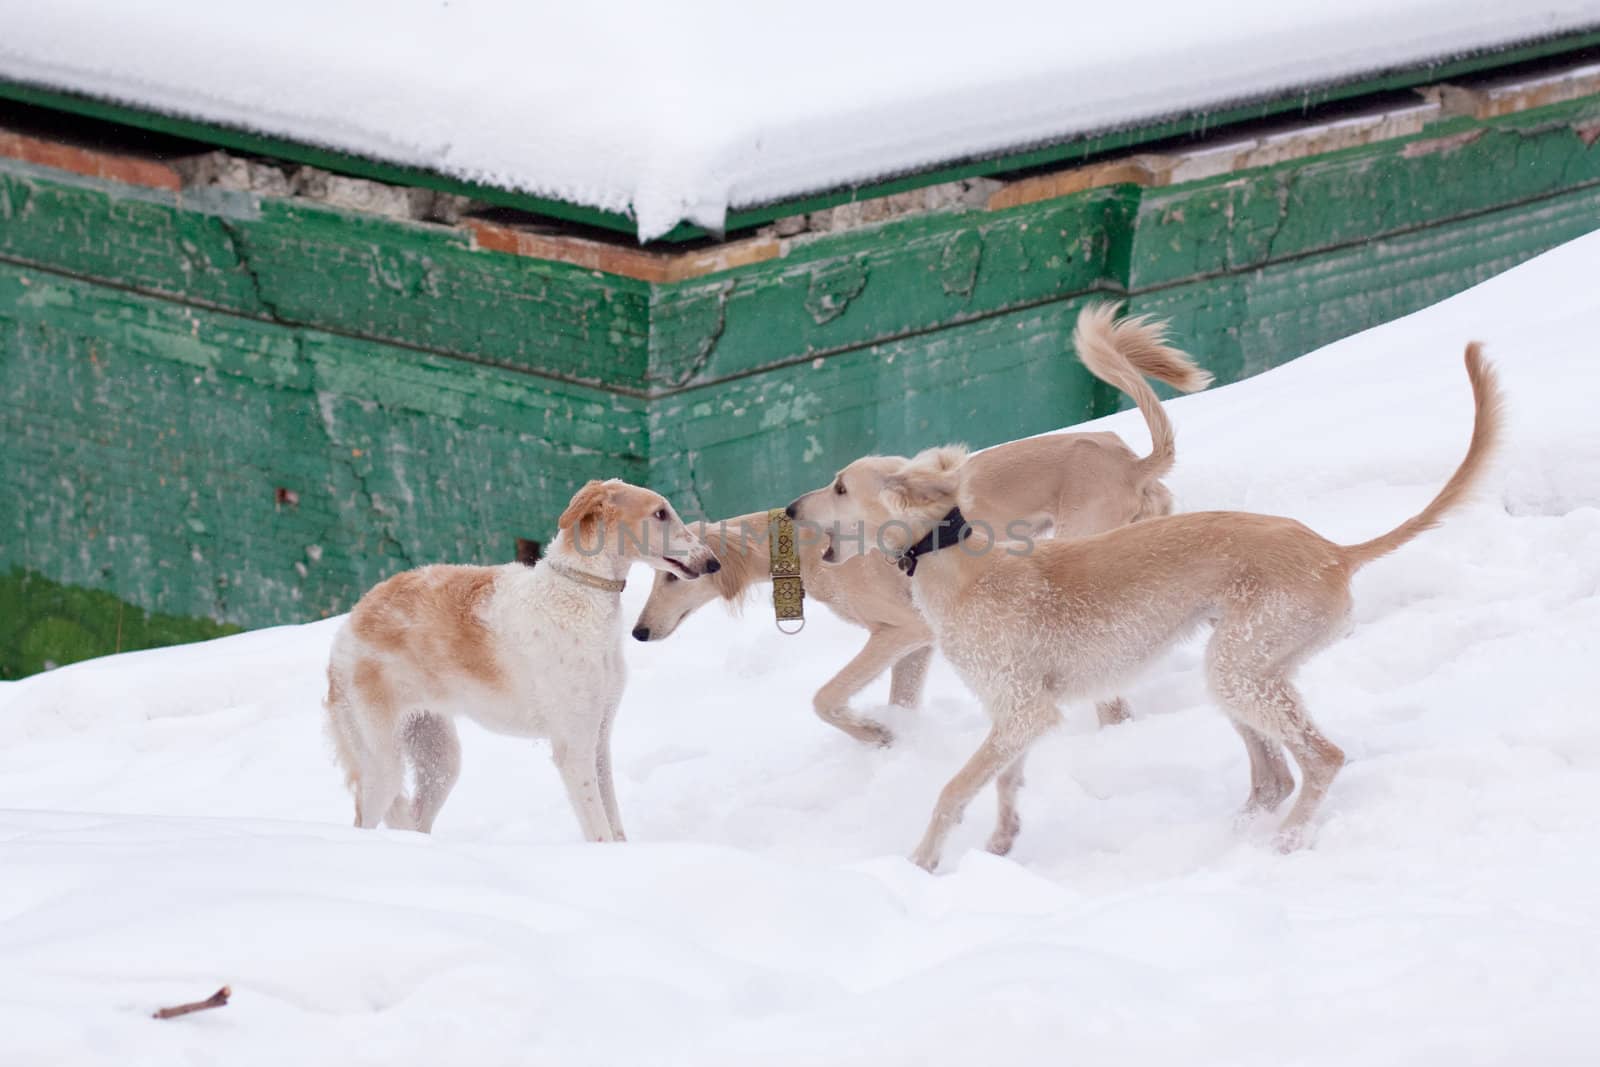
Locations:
{"points": [[951, 530]]}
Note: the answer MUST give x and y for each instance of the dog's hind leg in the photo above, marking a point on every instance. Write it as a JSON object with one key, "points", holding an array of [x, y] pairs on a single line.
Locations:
{"points": [[1319, 759], [1270, 780], [1015, 729], [907, 677], [435, 751], [1248, 661]]}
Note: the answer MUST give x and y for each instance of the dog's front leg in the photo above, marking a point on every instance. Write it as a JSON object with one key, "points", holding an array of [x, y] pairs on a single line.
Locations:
{"points": [[608, 792], [1008, 820], [1007, 743], [576, 760], [907, 676], [832, 702]]}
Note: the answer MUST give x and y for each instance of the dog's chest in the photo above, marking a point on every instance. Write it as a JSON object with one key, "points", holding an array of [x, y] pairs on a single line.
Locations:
{"points": [[561, 654], [574, 645], [982, 634]]}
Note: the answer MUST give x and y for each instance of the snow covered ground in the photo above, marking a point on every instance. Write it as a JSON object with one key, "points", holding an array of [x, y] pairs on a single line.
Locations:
{"points": [[679, 110], [172, 820]]}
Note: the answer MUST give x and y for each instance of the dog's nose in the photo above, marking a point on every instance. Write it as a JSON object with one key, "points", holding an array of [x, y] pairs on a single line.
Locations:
{"points": [[789, 511], [713, 565], [641, 633]]}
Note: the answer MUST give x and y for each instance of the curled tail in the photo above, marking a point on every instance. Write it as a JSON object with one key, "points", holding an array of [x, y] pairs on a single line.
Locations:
{"points": [[1486, 425], [1123, 354]]}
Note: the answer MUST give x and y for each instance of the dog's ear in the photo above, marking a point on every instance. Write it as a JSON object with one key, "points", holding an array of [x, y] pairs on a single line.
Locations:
{"points": [[931, 478], [591, 505], [942, 458], [914, 488]]}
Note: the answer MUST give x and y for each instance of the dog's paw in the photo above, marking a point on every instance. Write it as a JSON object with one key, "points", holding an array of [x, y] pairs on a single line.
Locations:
{"points": [[1247, 819], [1005, 834], [871, 733], [1112, 712], [1291, 839], [1250, 816]]}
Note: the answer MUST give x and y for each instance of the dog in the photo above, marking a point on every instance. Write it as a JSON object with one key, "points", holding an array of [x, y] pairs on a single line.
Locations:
{"points": [[867, 592], [1064, 485], [527, 651], [1071, 619]]}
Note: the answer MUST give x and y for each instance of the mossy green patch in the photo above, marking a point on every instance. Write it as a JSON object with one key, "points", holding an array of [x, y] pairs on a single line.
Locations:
{"points": [[44, 624]]}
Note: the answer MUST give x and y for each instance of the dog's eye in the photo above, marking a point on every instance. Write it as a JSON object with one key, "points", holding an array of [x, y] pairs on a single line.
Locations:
{"points": [[838, 488], [661, 514], [671, 577]]}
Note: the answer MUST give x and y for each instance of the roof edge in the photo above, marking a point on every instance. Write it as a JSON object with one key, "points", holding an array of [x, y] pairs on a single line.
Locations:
{"points": [[1077, 148]]}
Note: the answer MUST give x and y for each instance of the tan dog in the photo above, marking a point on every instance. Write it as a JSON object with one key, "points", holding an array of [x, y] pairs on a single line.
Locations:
{"points": [[1068, 485], [1030, 628], [867, 591], [527, 651]]}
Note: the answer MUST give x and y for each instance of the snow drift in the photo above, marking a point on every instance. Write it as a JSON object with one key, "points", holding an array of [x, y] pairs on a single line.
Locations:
{"points": [[171, 820]]}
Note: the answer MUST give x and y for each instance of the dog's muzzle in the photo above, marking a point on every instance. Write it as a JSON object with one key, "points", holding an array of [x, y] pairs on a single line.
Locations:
{"points": [[641, 633]]}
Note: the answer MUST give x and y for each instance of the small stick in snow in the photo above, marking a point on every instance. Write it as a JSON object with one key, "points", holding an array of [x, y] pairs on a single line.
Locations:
{"points": [[215, 1000]]}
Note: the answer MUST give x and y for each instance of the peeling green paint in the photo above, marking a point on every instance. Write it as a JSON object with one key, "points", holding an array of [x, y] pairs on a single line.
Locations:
{"points": [[133, 469]]}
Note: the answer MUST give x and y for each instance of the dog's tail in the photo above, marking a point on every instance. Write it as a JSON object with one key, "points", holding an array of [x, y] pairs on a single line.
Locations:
{"points": [[1486, 426], [341, 728], [1123, 353]]}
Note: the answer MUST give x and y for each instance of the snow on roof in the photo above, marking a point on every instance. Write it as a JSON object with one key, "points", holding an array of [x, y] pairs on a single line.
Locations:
{"points": [[681, 110]]}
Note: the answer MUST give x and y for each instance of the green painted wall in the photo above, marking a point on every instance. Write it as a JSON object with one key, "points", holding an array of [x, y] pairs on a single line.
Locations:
{"points": [[215, 467], [300, 264], [233, 410], [1253, 269]]}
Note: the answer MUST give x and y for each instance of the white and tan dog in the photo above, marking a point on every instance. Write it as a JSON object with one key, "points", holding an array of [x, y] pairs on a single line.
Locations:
{"points": [[527, 651], [1067, 485], [1072, 619]]}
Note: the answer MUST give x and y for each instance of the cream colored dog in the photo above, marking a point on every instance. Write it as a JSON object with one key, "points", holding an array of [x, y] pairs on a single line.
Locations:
{"points": [[1067, 485], [1030, 627], [528, 651]]}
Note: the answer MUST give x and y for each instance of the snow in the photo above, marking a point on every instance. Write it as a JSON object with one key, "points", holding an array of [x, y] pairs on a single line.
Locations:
{"points": [[683, 110], [172, 820]]}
